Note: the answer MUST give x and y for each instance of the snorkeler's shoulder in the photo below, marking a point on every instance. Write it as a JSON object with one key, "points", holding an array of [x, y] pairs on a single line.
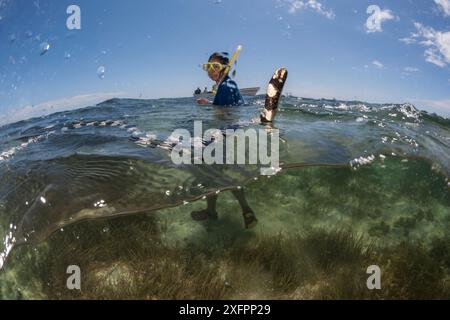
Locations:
{"points": [[228, 82]]}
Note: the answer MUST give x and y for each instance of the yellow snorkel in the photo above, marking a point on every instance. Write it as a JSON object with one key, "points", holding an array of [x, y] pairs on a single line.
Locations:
{"points": [[233, 59], [230, 65]]}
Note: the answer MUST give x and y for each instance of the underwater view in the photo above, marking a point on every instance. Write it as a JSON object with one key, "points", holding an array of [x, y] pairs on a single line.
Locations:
{"points": [[224, 150], [360, 184]]}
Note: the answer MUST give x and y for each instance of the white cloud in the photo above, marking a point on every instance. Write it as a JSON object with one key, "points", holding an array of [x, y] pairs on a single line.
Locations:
{"points": [[432, 56], [377, 17], [407, 71], [378, 64], [298, 5], [444, 6], [49, 107], [437, 44], [408, 40], [411, 69], [439, 106]]}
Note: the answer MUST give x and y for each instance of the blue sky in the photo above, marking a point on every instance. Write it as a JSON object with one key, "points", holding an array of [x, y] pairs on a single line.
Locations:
{"points": [[152, 49]]}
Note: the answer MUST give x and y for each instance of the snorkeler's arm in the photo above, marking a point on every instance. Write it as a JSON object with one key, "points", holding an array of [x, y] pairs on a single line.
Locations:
{"points": [[203, 101]]}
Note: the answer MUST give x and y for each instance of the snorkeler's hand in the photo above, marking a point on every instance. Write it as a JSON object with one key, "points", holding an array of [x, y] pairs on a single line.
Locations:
{"points": [[203, 101]]}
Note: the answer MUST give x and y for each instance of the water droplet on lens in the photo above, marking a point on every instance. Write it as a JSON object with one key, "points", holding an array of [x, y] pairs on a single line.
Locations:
{"points": [[101, 72], [45, 46]]}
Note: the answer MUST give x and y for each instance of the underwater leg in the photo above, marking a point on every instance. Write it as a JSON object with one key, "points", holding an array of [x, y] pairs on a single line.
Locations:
{"points": [[209, 213], [247, 212]]}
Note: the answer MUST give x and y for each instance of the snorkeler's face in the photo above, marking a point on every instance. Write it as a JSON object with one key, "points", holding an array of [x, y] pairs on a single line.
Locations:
{"points": [[215, 74]]}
